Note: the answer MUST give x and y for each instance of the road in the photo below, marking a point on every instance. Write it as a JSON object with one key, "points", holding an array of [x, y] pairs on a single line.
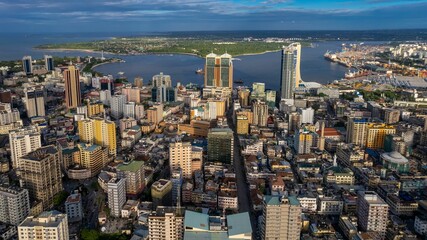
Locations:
{"points": [[243, 192]]}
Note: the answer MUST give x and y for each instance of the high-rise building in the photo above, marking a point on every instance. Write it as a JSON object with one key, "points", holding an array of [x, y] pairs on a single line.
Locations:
{"points": [[290, 71], [391, 116], [155, 113], [116, 195], [307, 115], [14, 204], [35, 101], [161, 193], [372, 212], [177, 180], [181, 155], [138, 82], [220, 145], [281, 218], [41, 174], [166, 223], [244, 97], [219, 71], [242, 124], [27, 64], [48, 63], [129, 110], [132, 94], [117, 103], [258, 91], [73, 207], [260, 110], [139, 111], [100, 132], [47, 225], [270, 98], [93, 157], [162, 80], [376, 134], [72, 87], [304, 141], [357, 131], [134, 174], [164, 94], [23, 141]]}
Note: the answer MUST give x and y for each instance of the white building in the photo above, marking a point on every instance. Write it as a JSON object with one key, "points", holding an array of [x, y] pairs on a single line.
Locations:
{"points": [[129, 110], [23, 141], [307, 115], [105, 97], [73, 207], [329, 205], [48, 225], [117, 105], [228, 201], [162, 80], [372, 212], [8, 115], [308, 203], [14, 205], [116, 195], [139, 111]]}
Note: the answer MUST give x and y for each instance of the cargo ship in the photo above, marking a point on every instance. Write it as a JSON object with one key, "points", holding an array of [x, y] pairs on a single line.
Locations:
{"points": [[240, 81]]}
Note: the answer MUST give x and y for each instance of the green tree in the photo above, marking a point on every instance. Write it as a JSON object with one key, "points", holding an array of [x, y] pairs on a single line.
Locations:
{"points": [[89, 234], [60, 198]]}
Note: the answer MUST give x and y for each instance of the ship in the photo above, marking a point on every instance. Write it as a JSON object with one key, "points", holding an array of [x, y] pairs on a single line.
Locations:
{"points": [[240, 81], [200, 71], [360, 73]]}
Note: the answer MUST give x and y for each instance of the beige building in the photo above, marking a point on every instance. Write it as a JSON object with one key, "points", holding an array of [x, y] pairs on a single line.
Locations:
{"points": [[132, 94], [155, 114], [41, 174], [72, 87], [93, 157], [166, 223], [35, 101], [182, 154], [281, 218], [47, 225], [242, 123], [133, 172], [260, 110], [391, 116], [161, 192], [372, 212], [357, 131], [23, 141]]}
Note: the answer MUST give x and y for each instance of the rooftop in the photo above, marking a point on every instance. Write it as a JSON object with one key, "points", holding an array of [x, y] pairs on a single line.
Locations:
{"points": [[41, 153], [196, 220], [48, 219], [131, 167], [239, 224]]}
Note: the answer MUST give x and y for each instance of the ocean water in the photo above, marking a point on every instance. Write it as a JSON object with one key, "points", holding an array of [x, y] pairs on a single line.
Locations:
{"points": [[252, 68]]}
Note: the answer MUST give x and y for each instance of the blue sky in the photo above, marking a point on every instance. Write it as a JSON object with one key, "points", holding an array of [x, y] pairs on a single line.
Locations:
{"points": [[183, 15]]}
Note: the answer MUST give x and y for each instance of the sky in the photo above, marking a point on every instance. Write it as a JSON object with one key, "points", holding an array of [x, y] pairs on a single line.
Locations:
{"points": [[210, 15]]}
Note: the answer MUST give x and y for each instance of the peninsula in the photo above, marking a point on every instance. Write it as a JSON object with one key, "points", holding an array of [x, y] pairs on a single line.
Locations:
{"points": [[162, 45]]}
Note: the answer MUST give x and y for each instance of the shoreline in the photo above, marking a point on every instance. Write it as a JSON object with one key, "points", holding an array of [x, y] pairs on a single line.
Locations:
{"points": [[146, 53]]}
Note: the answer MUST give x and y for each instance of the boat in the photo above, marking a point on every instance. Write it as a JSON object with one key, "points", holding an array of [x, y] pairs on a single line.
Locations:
{"points": [[200, 71], [330, 57], [240, 81]]}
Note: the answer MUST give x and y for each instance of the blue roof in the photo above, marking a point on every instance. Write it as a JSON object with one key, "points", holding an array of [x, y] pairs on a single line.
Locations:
{"points": [[272, 200], [239, 224], [293, 200], [196, 220]]}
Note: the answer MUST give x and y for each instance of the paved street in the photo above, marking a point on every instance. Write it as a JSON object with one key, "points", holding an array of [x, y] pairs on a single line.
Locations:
{"points": [[243, 193]]}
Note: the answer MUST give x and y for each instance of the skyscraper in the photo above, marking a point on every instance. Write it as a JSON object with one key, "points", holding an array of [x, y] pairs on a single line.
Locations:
{"points": [[41, 174], [219, 71], [48, 61], [372, 212], [35, 101], [117, 104], [181, 156], [23, 141], [116, 195], [290, 76], [260, 114], [27, 64], [134, 174], [162, 80], [72, 87], [220, 145], [281, 218], [166, 223]]}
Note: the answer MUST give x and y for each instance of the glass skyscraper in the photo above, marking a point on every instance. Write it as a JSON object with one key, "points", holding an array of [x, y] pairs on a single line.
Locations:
{"points": [[290, 76]]}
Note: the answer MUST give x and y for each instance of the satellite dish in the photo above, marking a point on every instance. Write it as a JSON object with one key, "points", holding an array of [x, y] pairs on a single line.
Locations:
{"points": [[103, 229]]}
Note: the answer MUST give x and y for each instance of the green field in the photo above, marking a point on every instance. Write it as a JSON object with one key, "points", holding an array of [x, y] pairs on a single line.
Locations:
{"points": [[199, 47]]}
